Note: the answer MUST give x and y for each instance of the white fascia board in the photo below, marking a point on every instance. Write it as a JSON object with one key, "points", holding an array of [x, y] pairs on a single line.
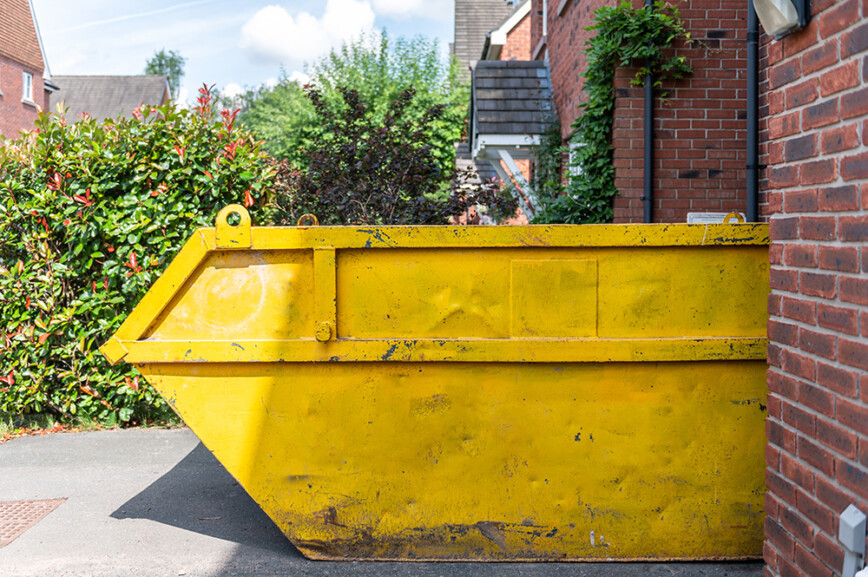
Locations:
{"points": [[511, 22], [46, 72]]}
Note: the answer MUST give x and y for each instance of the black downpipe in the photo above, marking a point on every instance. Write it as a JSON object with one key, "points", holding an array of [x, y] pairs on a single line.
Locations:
{"points": [[752, 113], [648, 175]]}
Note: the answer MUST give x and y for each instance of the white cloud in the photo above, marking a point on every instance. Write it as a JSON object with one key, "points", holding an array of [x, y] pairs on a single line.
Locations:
{"points": [[232, 90], [273, 34], [300, 77], [436, 9]]}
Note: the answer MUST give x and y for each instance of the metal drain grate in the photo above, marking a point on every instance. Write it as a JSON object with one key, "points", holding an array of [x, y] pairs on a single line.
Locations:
{"points": [[16, 517]]}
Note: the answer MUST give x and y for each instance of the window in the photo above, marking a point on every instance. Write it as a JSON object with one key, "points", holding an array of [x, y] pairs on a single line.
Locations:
{"points": [[575, 169], [27, 87]]}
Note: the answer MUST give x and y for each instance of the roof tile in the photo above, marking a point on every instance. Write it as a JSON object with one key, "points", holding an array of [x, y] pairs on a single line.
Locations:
{"points": [[105, 97], [511, 97], [18, 40]]}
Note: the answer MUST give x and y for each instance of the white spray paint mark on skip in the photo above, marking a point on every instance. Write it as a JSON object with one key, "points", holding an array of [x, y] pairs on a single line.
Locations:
{"points": [[592, 538]]}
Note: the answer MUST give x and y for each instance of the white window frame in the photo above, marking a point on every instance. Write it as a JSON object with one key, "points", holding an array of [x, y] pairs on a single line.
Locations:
{"points": [[27, 86], [574, 148]]}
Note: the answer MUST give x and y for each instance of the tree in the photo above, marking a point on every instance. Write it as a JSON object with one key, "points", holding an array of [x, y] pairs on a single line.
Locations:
{"points": [[367, 170], [282, 117], [379, 69], [171, 64]]}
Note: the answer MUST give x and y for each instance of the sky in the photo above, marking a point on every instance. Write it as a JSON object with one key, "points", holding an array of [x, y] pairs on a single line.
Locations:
{"points": [[231, 44]]}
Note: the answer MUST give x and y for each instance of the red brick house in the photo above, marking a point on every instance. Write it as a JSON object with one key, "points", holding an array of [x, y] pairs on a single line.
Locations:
{"points": [[511, 99], [511, 39], [24, 79], [811, 185]]}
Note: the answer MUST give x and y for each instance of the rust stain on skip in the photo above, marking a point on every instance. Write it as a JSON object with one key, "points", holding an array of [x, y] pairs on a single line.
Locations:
{"points": [[543, 393]]}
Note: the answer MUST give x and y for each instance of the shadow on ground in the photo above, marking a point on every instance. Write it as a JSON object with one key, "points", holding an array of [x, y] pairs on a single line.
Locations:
{"points": [[199, 495]]}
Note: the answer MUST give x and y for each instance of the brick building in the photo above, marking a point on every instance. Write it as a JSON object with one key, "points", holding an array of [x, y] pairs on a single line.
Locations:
{"points": [[814, 128], [813, 190], [511, 39], [699, 130], [474, 20], [511, 101], [24, 80]]}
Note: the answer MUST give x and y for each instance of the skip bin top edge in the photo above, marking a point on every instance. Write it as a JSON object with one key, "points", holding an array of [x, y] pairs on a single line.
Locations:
{"points": [[563, 235], [206, 240]]}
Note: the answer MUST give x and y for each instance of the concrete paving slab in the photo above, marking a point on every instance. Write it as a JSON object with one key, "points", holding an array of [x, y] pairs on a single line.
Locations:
{"points": [[155, 502]]}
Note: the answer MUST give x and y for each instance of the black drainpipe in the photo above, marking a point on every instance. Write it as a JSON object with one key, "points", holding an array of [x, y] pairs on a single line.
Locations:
{"points": [[752, 113], [647, 184]]}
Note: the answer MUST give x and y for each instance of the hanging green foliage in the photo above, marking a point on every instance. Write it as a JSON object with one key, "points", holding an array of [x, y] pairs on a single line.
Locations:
{"points": [[625, 36]]}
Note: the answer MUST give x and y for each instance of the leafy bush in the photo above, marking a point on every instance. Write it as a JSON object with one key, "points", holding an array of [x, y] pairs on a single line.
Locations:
{"points": [[379, 68], [90, 215], [363, 170]]}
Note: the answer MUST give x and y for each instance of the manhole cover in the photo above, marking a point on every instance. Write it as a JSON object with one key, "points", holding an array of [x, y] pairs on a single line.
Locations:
{"points": [[16, 517]]}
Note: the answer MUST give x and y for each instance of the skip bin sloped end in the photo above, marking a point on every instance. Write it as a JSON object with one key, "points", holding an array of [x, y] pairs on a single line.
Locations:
{"points": [[114, 350], [160, 294]]}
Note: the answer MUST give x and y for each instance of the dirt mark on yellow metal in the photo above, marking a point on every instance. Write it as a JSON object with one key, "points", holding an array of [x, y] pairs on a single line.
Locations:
{"points": [[516, 393]]}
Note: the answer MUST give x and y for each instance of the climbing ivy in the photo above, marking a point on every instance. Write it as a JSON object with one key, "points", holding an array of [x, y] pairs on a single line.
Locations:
{"points": [[546, 181], [624, 36]]}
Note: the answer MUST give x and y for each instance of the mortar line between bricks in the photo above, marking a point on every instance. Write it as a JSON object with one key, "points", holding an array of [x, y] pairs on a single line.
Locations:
{"points": [[813, 438], [823, 330], [805, 518], [817, 299]]}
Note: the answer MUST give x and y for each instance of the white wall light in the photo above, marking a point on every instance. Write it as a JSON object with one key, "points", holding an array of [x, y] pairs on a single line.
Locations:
{"points": [[781, 17]]}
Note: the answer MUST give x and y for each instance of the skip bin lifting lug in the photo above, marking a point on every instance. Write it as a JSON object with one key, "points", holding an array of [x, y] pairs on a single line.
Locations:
{"points": [[229, 235]]}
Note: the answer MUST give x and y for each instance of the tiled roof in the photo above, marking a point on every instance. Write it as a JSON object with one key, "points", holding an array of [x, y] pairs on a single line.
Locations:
{"points": [[473, 20], [511, 97], [108, 96], [18, 40]]}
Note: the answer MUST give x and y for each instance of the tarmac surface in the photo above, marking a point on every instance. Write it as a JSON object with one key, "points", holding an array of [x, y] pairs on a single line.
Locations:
{"points": [[155, 502]]}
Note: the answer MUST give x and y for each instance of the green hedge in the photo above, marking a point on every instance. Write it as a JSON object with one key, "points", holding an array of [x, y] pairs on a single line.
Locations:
{"points": [[90, 215]]}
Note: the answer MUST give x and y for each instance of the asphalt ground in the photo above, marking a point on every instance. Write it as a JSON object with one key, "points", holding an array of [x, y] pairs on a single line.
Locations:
{"points": [[155, 502]]}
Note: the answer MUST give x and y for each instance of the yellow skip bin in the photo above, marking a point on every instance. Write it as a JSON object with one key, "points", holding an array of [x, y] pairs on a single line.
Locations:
{"points": [[475, 393]]}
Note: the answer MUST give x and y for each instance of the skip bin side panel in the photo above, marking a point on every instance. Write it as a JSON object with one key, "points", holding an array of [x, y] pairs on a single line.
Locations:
{"points": [[489, 293], [497, 461]]}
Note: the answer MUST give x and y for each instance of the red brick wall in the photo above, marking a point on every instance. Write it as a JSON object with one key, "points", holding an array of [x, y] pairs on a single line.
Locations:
{"points": [[16, 115], [566, 42], [815, 131], [700, 130], [536, 28], [518, 42]]}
